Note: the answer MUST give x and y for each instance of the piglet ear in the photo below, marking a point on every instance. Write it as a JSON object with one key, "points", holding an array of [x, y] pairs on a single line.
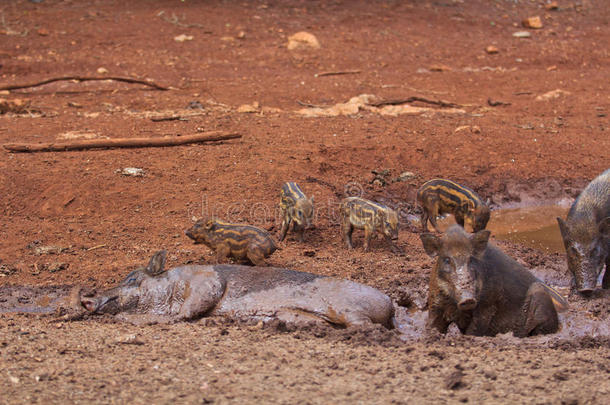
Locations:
{"points": [[604, 228], [156, 265], [431, 242], [479, 243]]}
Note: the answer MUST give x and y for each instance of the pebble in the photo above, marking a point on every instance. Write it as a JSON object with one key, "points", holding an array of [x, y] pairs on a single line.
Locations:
{"points": [[522, 34], [532, 22], [301, 40]]}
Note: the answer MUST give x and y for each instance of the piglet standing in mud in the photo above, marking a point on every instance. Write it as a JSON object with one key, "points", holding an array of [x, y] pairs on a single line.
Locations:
{"points": [[483, 291], [233, 240], [359, 213], [439, 196], [296, 209], [586, 235], [153, 295]]}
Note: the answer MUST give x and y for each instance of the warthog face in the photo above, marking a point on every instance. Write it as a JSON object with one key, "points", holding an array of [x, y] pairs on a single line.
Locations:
{"points": [[126, 295], [456, 266]]}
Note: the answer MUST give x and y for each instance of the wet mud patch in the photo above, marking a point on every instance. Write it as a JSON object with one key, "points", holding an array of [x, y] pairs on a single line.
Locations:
{"points": [[34, 300]]}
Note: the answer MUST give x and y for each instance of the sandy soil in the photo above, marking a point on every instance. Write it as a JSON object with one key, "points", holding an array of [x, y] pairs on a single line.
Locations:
{"points": [[71, 218]]}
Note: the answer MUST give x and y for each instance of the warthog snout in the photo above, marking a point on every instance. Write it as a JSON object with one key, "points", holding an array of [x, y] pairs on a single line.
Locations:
{"points": [[93, 304], [467, 303]]}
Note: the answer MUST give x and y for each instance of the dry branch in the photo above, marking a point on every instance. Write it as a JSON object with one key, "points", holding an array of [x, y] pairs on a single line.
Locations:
{"points": [[338, 73], [440, 103], [85, 79], [118, 143]]}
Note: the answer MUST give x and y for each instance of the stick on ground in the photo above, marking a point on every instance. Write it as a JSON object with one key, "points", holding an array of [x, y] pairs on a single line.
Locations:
{"points": [[119, 143], [85, 79], [440, 103]]}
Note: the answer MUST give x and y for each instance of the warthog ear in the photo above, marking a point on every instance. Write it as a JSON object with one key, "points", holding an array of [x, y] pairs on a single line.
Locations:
{"points": [[156, 265], [209, 225], [311, 200], [604, 227], [479, 243], [431, 242]]}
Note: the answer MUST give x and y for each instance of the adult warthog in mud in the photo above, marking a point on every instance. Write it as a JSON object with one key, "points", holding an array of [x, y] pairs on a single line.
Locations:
{"points": [[151, 295]]}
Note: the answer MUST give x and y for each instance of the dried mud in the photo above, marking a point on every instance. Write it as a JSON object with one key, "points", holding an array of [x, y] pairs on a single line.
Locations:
{"points": [[72, 218]]}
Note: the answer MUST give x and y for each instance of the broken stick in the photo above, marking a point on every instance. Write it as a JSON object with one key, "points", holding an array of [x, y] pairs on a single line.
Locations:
{"points": [[119, 143], [440, 103], [337, 73], [85, 79]]}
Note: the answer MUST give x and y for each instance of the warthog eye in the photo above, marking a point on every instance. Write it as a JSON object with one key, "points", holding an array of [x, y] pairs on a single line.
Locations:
{"points": [[596, 251], [299, 214]]}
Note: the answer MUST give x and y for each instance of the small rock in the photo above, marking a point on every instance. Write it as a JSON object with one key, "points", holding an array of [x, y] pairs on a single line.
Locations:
{"points": [[102, 70], [131, 171], [476, 129], [552, 6], [183, 37], [248, 108], [129, 340], [55, 267], [227, 39], [302, 39], [194, 105], [553, 94], [43, 32], [439, 68], [461, 128], [492, 50], [49, 250], [490, 373], [522, 34], [241, 35], [532, 22], [405, 176], [454, 380], [13, 379]]}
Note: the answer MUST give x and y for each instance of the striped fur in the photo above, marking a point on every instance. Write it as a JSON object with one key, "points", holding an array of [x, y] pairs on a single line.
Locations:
{"points": [[359, 213], [296, 209], [439, 196], [233, 240]]}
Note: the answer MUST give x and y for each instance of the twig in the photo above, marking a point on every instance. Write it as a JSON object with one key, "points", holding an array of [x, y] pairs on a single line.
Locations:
{"points": [[440, 103], [96, 247], [309, 105], [496, 103], [84, 79], [175, 117], [119, 143], [337, 73], [523, 93]]}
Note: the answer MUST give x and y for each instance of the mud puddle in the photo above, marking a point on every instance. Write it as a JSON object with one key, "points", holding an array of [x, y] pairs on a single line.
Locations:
{"points": [[32, 300], [531, 226]]}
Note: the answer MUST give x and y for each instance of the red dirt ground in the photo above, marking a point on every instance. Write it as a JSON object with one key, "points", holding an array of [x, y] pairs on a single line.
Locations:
{"points": [[105, 223]]}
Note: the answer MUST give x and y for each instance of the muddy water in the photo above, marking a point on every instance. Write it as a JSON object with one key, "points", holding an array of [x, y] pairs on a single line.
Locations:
{"points": [[533, 226]]}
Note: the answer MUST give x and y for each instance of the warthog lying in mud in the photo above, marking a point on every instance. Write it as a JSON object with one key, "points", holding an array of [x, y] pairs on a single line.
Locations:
{"points": [[151, 295]]}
